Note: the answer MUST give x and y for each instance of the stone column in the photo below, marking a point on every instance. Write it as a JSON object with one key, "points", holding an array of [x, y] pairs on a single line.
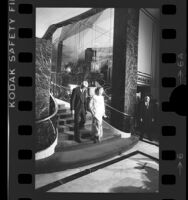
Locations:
{"points": [[124, 72], [59, 62], [45, 134], [59, 56], [58, 76], [43, 76]]}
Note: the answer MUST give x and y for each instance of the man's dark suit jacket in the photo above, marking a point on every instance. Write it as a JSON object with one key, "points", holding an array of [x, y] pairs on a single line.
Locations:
{"points": [[78, 100], [146, 114]]}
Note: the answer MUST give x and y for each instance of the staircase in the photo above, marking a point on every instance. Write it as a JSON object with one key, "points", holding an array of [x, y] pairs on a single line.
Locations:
{"points": [[65, 127], [65, 122]]}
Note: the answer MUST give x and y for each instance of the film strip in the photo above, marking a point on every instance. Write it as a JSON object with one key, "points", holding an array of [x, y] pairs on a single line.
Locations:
{"points": [[21, 96]]}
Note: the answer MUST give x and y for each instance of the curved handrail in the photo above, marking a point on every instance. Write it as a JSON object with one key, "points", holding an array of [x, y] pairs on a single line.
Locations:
{"points": [[125, 114], [107, 95], [52, 28], [61, 86], [52, 115]]}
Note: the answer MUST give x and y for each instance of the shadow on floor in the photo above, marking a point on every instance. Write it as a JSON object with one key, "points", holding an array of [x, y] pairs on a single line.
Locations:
{"points": [[150, 183]]}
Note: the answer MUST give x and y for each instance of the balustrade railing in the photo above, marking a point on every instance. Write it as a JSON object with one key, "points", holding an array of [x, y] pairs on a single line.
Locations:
{"points": [[61, 92], [64, 93], [46, 128]]}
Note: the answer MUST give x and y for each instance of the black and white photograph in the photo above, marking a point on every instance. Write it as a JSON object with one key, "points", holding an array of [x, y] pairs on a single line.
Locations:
{"points": [[97, 100]]}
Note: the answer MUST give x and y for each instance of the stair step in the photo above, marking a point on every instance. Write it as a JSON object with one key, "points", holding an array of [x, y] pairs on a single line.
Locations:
{"points": [[66, 121], [62, 137], [67, 127], [70, 122], [65, 115], [61, 122], [70, 126], [67, 136], [69, 133], [62, 111], [61, 106], [82, 132], [63, 129]]}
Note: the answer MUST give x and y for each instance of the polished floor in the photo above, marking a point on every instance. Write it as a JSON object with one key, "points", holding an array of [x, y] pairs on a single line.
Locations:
{"points": [[136, 170]]}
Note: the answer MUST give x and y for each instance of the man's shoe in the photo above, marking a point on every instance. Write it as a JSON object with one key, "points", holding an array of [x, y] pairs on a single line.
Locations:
{"points": [[82, 126], [78, 140], [96, 139], [93, 138]]}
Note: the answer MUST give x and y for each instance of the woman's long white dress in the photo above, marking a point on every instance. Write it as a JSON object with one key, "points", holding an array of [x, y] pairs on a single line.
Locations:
{"points": [[97, 108]]}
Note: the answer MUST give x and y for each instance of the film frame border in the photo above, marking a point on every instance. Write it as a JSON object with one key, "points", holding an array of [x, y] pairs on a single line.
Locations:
{"points": [[25, 84]]}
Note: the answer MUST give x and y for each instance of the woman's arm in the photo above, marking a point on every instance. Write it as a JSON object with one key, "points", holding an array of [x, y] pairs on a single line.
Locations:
{"points": [[104, 113], [92, 106]]}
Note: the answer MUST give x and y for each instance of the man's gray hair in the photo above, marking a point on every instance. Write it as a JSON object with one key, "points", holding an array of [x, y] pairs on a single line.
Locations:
{"points": [[85, 83]]}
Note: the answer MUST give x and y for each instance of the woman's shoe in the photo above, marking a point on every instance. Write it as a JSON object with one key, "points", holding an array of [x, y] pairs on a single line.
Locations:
{"points": [[77, 140], [98, 139], [95, 139]]}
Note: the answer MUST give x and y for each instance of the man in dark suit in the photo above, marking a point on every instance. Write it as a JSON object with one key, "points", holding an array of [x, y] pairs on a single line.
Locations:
{"points": [[78, 108], [146, 116]]}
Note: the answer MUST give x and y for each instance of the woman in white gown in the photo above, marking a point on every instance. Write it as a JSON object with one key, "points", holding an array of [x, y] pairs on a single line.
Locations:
{"points": [[97, 108]]}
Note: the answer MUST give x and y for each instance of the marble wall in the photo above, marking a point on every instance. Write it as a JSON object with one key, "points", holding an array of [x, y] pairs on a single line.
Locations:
{"points": [[42, 77], [45, 134], [131, 61], [124, 71]]}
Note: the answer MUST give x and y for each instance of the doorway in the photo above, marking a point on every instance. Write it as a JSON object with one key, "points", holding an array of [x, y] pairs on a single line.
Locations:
{"points": [[143, 90]]}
